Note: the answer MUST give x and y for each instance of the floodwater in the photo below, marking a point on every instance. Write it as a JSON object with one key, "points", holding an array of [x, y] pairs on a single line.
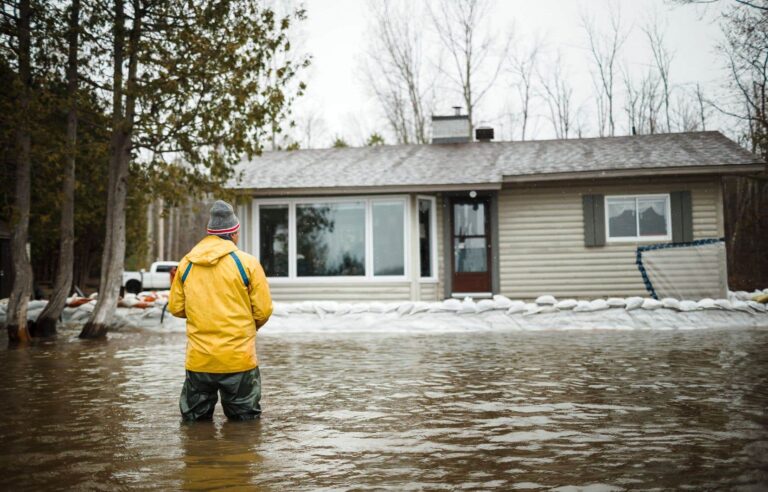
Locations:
{"points": [[571, 410]]}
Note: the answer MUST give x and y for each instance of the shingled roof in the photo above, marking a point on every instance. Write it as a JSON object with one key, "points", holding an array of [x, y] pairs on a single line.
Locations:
{"points": [[488, 162]]}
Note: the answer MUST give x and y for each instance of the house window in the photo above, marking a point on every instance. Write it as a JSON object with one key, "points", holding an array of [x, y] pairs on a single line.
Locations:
{"points": [[638, 218], [426, 236], [330, 239], [389, 238], [273, 239], [354, 238]]}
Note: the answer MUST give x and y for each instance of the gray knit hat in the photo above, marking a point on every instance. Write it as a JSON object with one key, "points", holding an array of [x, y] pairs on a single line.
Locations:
{"points": [[223, 219]]}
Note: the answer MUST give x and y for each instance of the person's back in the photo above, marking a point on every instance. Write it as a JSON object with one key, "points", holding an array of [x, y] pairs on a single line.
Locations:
{"points": [[224, 295]]}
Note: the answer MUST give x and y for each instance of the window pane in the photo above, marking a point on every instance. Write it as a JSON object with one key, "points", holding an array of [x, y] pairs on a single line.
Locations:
{"points": [[425, 237], [621, 217], [388, 238], [470, 254], [330, 239], [273, 239], [469, 219], [653, 216]]}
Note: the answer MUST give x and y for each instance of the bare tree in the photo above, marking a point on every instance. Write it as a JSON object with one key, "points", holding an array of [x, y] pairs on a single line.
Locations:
{"points": [[310, 127], [395, 71], [523, 68], [558, 94], [702, 107], [662, 58], [605, 49], [469, 45]]}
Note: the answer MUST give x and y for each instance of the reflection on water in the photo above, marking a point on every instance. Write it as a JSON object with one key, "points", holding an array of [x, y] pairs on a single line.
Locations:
{"points": [[603, 410]]}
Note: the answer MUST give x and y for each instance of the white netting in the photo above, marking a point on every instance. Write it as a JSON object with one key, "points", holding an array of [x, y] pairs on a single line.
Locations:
{"points": [[694, 271]]}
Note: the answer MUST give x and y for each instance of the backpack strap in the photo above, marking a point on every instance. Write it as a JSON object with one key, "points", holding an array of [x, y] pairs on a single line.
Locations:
{"points": [[240, 267], [186, 272]]}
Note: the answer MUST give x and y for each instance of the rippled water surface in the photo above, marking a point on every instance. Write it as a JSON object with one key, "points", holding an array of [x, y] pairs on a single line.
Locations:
{"points": [[600, 410]]}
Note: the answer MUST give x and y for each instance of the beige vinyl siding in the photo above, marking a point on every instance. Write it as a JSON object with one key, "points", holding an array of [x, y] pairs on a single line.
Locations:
{"points": [[340, 291], [429, 292], [541, 240]]}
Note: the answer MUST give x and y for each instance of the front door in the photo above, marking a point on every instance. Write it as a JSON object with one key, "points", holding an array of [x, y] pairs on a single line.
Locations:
{"points": [[471, 245]]}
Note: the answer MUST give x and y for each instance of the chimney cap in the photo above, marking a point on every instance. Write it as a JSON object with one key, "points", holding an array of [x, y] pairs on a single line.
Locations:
{"points": [[457, 110], [484, 134]]}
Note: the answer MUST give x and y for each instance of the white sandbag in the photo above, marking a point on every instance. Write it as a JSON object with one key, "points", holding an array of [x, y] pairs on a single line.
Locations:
{"points": [[502, 302], [582, 307], [546, 300], [633, 303], [404, 308], [342, 308], [376, 307], [757, 306], [670, 303], [468, 306], [598, 305], [307, 307], [651, 304], [566, 304], [687, 306], [359, 308], [616, 302], [739, 295], [707, 303], [724, 304], [451, 305], [532, 308], [420, 307], [516, 307], [36, 304], [486, 305], [278, 309], [741, 306]]}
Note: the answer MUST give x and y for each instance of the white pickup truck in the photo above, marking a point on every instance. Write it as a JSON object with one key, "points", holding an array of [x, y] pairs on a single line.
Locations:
{"points": [[157, 278]]}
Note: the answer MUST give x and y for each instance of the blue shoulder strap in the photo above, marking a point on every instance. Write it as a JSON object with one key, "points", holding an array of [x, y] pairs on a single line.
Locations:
{"points": [[240, 267], [186, 272]]}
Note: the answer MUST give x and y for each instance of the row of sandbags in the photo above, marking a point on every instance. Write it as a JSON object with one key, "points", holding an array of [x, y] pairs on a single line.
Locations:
{"points": [[543, 304]]}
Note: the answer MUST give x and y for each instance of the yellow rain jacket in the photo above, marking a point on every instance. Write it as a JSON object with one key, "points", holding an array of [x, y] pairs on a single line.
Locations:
{"points": [[222, 313]]}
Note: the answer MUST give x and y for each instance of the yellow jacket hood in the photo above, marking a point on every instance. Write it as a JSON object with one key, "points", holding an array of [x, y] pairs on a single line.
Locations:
{"points": [[208, 251]]}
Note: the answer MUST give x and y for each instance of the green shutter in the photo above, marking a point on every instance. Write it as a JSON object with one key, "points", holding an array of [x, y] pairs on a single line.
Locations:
{"points": [[682, 216], [594, 220]]}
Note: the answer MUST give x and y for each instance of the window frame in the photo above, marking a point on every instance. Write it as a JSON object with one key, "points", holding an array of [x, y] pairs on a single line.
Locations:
{"points": [[433, 233], [368, 201], [638, 238]]}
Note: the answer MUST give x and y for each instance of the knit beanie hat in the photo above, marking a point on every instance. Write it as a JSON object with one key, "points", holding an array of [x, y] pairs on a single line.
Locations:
{"points": [[223, 219]]}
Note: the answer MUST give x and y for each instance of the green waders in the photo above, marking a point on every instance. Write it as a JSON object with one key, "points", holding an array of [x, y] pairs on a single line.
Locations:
{"points": [[240, 395]]}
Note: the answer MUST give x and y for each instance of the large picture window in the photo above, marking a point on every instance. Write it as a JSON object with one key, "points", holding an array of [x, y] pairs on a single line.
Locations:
{"points": [[354, 238], [638, 218], [330, 239]]}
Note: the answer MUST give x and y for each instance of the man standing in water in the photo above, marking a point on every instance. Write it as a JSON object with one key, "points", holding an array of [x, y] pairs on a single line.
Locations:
{"points": [[224, 295]]}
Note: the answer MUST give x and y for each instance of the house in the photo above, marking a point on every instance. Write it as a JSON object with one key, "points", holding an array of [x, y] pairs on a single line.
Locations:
{"points": [[460, 218]]}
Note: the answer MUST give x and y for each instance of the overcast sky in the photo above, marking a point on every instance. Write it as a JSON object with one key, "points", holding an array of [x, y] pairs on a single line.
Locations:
{"points": [[335, 33]]}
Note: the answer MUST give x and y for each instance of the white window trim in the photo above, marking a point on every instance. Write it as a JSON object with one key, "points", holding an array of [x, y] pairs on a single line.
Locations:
{"points": [[433, 244], [636, 239], [368, 200]]}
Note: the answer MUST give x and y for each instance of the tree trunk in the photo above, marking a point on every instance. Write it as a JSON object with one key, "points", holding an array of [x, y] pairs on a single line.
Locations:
{"points": [[122, 130], [46, 324], [16, 323]]}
